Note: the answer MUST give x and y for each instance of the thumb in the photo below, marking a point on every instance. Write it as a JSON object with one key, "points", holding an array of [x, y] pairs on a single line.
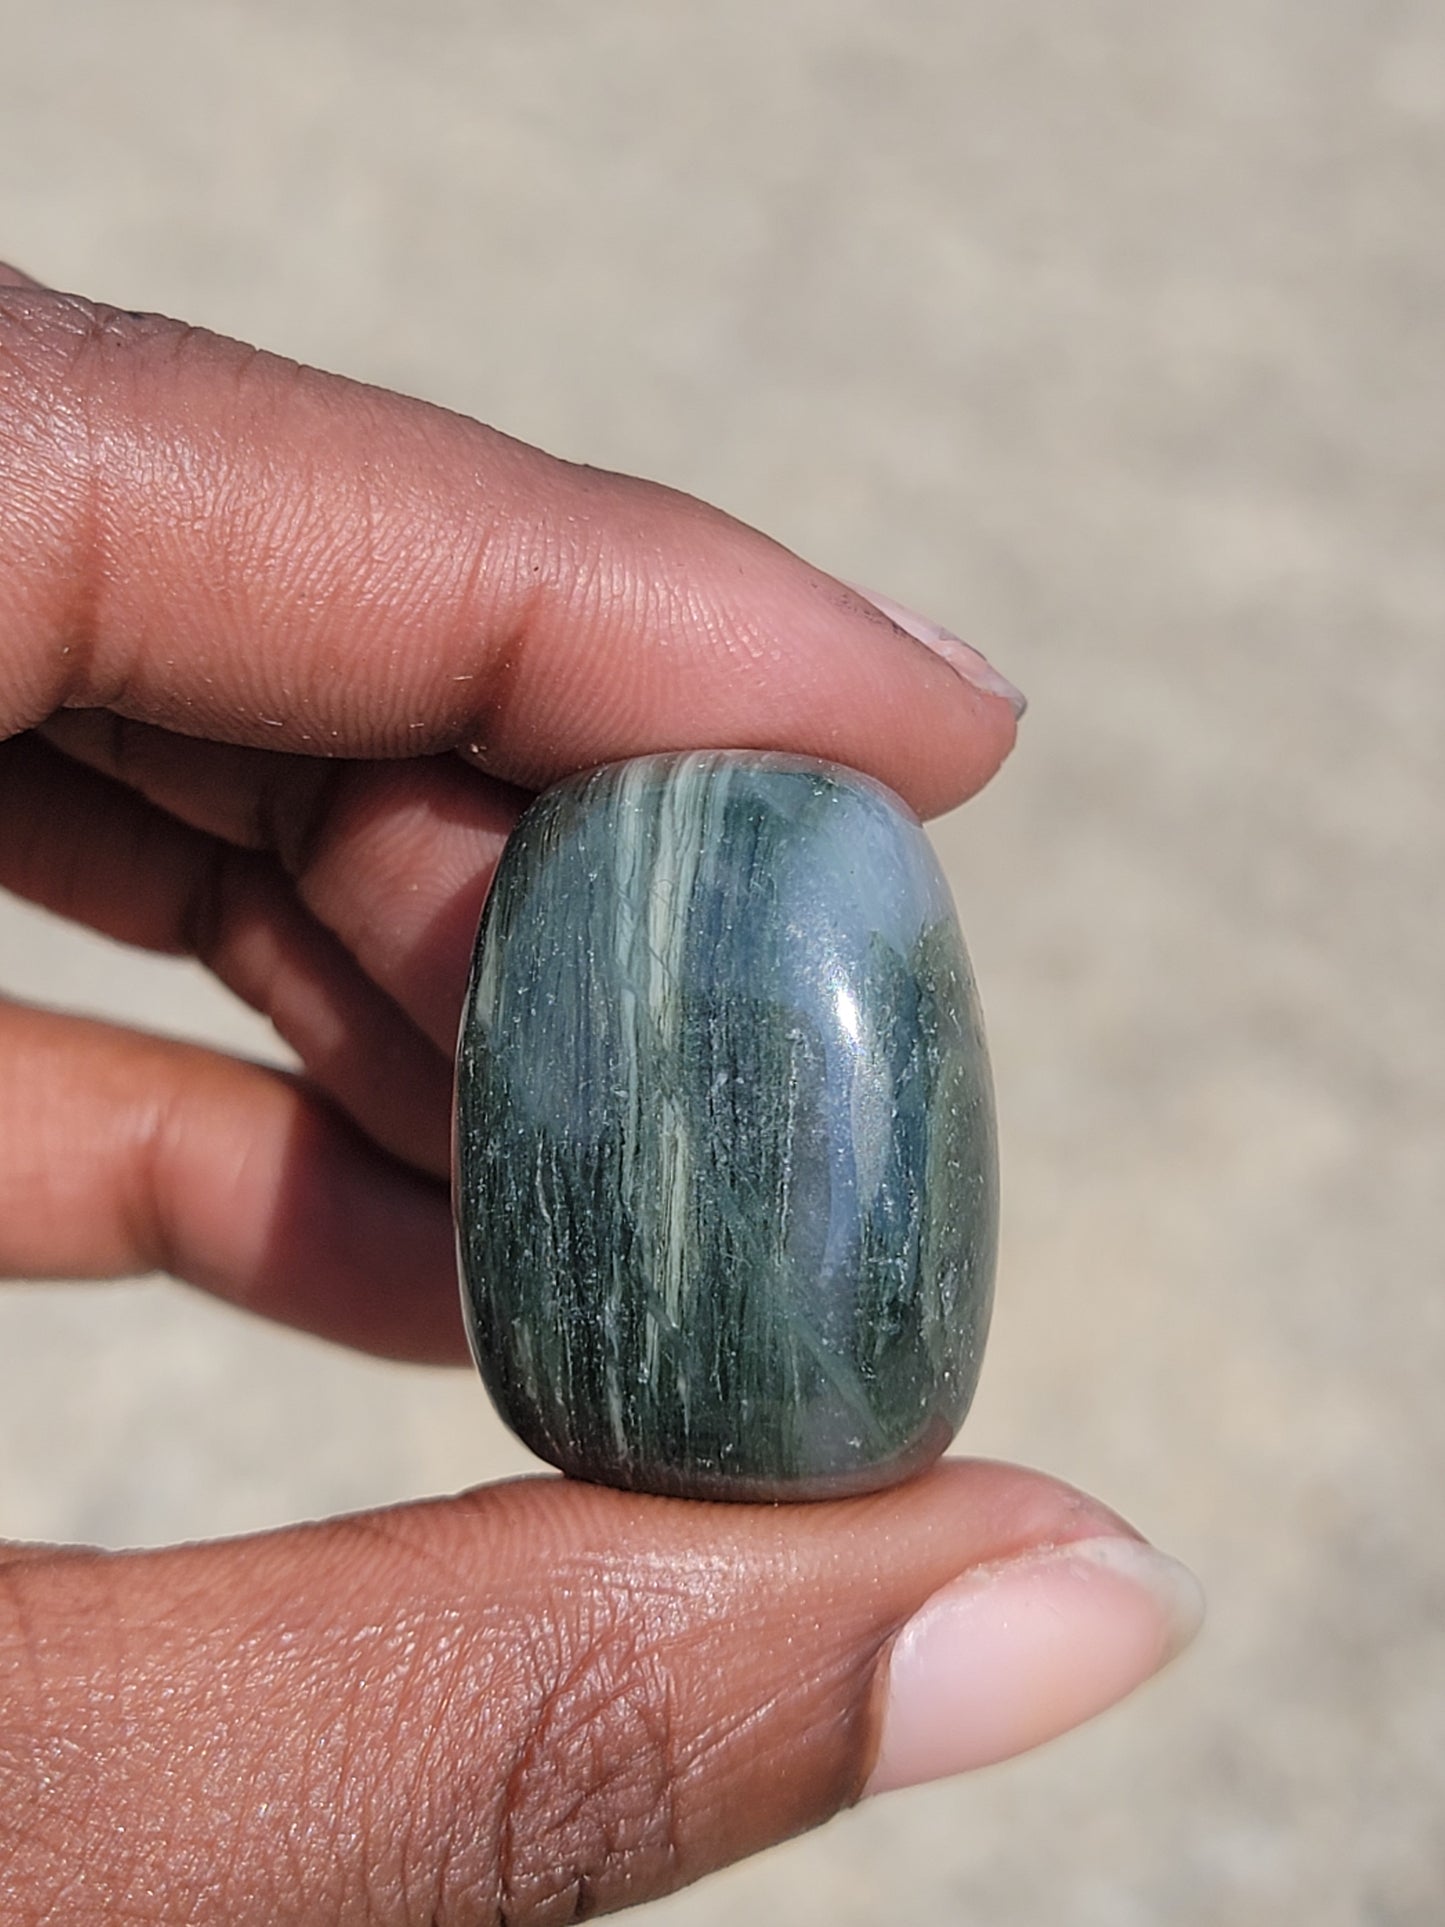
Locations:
{"points": [[540, 1700]]}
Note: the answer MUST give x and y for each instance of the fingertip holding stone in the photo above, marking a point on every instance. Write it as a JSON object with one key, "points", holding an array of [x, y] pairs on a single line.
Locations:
{"points": [[961, 656], [1011, 1655]]}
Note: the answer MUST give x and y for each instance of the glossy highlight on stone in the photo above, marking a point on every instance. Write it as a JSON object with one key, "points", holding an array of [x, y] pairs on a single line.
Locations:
{"points": [[725, 1152]]}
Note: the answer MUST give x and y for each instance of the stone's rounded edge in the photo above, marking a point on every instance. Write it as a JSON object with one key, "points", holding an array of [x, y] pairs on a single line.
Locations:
{"points": [[461, 1082], [781, 760], [939, 1418], [706, 1486], [528, 826]]}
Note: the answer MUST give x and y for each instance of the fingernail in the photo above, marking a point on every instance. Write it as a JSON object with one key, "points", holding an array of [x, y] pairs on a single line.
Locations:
{"points": [[1009, 1656], [970, 663]]}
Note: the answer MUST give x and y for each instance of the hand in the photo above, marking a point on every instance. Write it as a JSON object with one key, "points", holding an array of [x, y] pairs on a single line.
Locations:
{"points": [[279, 656]]}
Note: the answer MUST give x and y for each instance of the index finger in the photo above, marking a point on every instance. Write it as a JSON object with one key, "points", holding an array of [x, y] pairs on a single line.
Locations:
{"points": [[219, 541]]}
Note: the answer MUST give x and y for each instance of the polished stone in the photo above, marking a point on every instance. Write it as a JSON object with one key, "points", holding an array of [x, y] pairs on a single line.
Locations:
{"points": [[726, 1170]]}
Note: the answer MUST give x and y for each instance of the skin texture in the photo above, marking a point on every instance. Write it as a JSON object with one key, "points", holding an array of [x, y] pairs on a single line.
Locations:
{"points": [[278, 656]]}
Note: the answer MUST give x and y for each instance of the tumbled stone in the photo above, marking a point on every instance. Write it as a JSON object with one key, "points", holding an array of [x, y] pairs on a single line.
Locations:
{"points": [[726, 1174]]}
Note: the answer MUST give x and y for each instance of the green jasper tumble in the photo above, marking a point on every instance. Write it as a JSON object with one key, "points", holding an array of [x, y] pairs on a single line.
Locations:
{"points": [[726, 1172]]}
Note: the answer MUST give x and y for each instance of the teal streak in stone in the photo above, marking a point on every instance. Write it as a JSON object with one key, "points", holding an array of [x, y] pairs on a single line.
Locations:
{"points": [[726, 1170]]}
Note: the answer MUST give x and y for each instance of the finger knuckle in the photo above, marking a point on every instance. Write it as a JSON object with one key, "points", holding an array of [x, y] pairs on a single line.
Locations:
{"points": [[59, 354], [55, 349], [585, 1807], [590, 1800]]}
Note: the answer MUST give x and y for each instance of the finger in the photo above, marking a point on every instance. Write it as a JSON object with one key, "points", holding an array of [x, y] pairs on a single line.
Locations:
{"points": [[395, 859], [93, 851], [122, 1154], [15, 277], [211, 539], [544, 1700]]}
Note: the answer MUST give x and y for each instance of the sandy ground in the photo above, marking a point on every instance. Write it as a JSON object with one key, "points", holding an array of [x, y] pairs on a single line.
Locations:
{"points": [[1110, 333]]}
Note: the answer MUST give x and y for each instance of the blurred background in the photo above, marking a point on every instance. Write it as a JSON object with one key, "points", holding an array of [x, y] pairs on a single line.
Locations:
{"points": [[1110, 334]]}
